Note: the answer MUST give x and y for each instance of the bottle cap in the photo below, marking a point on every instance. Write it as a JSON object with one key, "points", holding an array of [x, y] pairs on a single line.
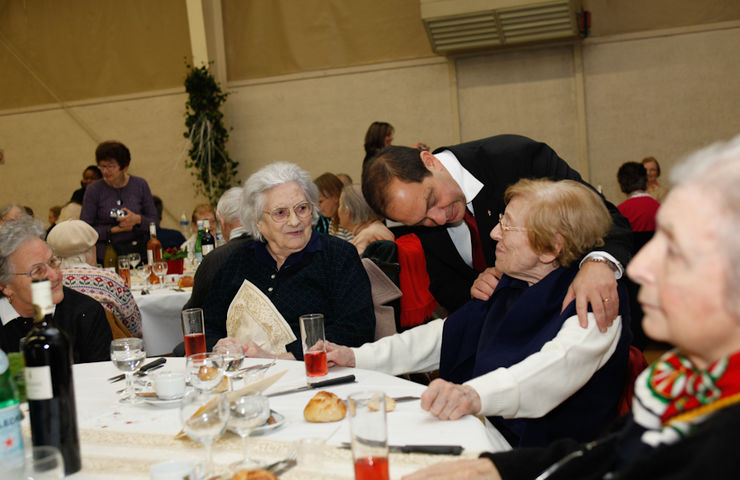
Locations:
{"points": [[206, 223], [41, 295]]}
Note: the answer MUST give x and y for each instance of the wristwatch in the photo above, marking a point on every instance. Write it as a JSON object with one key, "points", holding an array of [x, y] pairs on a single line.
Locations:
{"points": [[601, 259]]}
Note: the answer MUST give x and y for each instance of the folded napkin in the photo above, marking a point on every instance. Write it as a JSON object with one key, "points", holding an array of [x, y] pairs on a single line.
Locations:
{"points": [[252, 316]]}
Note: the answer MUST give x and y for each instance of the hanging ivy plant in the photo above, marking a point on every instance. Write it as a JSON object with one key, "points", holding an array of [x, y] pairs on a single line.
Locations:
{"points": [[213, 169]]}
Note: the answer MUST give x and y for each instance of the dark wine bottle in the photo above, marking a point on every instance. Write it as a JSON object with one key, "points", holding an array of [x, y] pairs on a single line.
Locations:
{"points": [[49, 384], [208, 243]]}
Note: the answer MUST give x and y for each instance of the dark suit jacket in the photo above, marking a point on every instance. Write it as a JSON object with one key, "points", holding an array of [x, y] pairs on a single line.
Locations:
{"points": [[499, 162], [81, 317], [208, 268]]}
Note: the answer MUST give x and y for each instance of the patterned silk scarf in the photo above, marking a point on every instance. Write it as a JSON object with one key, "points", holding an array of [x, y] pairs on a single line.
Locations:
{"points": [[672, 395]]}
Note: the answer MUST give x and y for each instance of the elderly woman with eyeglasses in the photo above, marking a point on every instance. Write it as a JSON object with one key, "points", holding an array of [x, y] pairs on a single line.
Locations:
{"points": [[299, 270], [24, 256], [517, 358]]}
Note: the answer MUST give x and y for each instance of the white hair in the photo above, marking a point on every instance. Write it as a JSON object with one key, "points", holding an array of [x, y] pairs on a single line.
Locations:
{"points": [[13, 234], [229, 205], [715, 170], [271, 176]]}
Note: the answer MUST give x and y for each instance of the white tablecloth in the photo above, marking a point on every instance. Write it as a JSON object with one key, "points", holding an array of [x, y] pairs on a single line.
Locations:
{"points": [[160, 319], [122, 441]]}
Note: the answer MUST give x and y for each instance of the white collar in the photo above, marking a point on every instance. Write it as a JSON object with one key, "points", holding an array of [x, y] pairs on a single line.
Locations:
{"points": [[639, 193], [7, 312], [237, 232], [469, 185]]}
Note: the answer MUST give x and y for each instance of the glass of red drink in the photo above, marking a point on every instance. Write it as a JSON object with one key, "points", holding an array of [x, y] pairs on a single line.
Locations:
{"points": [[369, 435], [193, 330], [314, 344], [124, 270]]}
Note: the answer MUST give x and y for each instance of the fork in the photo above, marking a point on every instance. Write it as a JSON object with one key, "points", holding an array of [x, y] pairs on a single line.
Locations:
{"points": [[282, 466]]}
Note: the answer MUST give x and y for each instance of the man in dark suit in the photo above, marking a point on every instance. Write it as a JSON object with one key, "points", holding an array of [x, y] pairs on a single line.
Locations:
{"points": [[23, 256], [431, 192]]}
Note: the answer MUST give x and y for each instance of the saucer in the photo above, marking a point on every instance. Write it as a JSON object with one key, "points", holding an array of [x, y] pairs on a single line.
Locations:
{"points": [[160, 402], [266, 427]]}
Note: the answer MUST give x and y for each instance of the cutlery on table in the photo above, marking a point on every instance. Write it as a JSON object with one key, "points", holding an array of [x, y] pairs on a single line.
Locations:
{"points": [[310, 386], [428, 449], [142, 370]]}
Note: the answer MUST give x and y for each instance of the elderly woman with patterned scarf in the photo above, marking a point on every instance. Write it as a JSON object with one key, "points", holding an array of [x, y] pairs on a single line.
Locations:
{"points": [[685, 420]]}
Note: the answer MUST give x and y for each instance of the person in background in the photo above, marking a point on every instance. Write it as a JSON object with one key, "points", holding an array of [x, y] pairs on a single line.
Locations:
{"points": [[516, 358], [379, 135], [639, 208], [89, 175], [24, 256], [11, 212], [54, 213], [120, 208], [74, 242], [168, 237], [228, 212], [203, 211], [453, 197], [685, 418], [356, 216], [345, 178], [330, 188], [654, 188], [298, 269]]}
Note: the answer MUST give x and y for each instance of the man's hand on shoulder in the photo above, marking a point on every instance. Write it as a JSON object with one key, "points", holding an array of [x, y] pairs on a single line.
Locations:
{"points": [[485, 284], [595, 284]]}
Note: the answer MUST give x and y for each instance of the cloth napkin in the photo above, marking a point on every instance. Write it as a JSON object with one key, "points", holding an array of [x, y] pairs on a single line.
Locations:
{"points": [[252, 316]]}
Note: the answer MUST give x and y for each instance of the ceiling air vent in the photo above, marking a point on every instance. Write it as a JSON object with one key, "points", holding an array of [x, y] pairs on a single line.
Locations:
{"points": [[458, 25]]}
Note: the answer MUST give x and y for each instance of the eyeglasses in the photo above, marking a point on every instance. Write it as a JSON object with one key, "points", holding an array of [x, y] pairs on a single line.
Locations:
{"points": [[509, 228], [281, 214], [39, 270]]}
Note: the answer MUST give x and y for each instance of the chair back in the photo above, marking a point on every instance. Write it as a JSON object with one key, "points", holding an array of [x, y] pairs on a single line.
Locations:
{"points": [[635, 365], [117, 327], [383, 292]]}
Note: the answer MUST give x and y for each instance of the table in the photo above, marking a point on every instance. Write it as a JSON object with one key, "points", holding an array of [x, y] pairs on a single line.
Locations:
{"points": [[160, 318], [122, 441]]}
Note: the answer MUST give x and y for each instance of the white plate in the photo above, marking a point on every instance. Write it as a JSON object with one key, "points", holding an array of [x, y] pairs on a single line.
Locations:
{"points": [[265, 427], [159, 402]]}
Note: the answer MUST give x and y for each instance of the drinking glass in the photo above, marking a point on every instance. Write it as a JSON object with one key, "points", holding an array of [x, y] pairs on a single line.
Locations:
{"points": [[43, 463], [204, 418], [314, 344], [124, 269], [369, 435], [127, 355], [160, 270], [205, 370], [233, 354], [193, 331], [134, 259], [247, 413]]}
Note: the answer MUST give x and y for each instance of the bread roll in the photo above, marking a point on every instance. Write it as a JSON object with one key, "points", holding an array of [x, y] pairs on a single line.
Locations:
{"points": [[253, 475], [324, 407], [374, 404]]}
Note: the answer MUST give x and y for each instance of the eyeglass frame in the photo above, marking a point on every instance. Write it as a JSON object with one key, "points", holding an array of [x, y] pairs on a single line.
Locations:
{"points": [[509, 228], [55, 259], [272, 212]]}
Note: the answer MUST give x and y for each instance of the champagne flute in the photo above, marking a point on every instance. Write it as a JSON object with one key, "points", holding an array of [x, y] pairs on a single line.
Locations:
{"points": [[233, 354], [127, 355], [247, 413], [134, 259], [205, 371], [204, 418], [160, 269]]}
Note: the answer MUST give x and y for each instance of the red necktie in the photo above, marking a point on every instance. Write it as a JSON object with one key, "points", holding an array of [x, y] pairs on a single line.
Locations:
{"points": [[479, 259]]}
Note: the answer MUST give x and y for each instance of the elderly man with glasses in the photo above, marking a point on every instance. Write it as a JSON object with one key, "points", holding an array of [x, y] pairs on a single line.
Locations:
{"points": [[297, 269], [24, 256]]}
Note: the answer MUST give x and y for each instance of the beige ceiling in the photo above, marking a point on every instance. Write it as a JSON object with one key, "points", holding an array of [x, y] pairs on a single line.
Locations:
{"points": [[62, 51]]}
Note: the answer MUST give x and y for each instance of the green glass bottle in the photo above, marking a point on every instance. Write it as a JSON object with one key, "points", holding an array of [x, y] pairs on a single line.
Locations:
{"points": [[11, 440]]}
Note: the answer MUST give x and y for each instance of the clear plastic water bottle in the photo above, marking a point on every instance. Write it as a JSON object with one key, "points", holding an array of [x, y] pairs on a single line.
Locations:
{"points": [[185, 225]]}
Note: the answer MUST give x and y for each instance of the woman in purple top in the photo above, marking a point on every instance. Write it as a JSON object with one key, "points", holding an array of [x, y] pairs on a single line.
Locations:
{"points": [[119, 206]]}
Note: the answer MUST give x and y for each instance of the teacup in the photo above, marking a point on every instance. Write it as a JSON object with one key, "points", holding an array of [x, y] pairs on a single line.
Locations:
{"points": [[169, 385], [175, 470]]}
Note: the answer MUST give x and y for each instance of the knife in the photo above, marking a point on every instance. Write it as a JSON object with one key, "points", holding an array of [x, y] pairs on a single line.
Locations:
{"points": [[428, 449], [325, 383], [142, 369]]}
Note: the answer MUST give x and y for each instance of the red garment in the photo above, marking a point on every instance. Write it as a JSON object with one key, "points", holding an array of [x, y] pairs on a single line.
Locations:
{"points": [[417, 304], [640, 211], [479, 259]]}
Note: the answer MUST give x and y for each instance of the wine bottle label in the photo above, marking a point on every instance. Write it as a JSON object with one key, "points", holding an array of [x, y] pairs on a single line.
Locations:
{"points": [[38, 383], [11, 441], [150, 257]]}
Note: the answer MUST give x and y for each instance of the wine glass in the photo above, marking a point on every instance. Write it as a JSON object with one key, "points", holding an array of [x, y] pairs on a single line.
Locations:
{"points": [[247, 413], [134, 259], [233, 354], [127, 355], [160, 270], [205, 371], [204, 418]]}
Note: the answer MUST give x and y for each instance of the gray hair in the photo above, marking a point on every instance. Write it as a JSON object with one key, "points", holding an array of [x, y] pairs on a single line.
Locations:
{"points": [[229, 205], [715, 170], [6, 209], [271, 176], [352, 200], [13, 234]]}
